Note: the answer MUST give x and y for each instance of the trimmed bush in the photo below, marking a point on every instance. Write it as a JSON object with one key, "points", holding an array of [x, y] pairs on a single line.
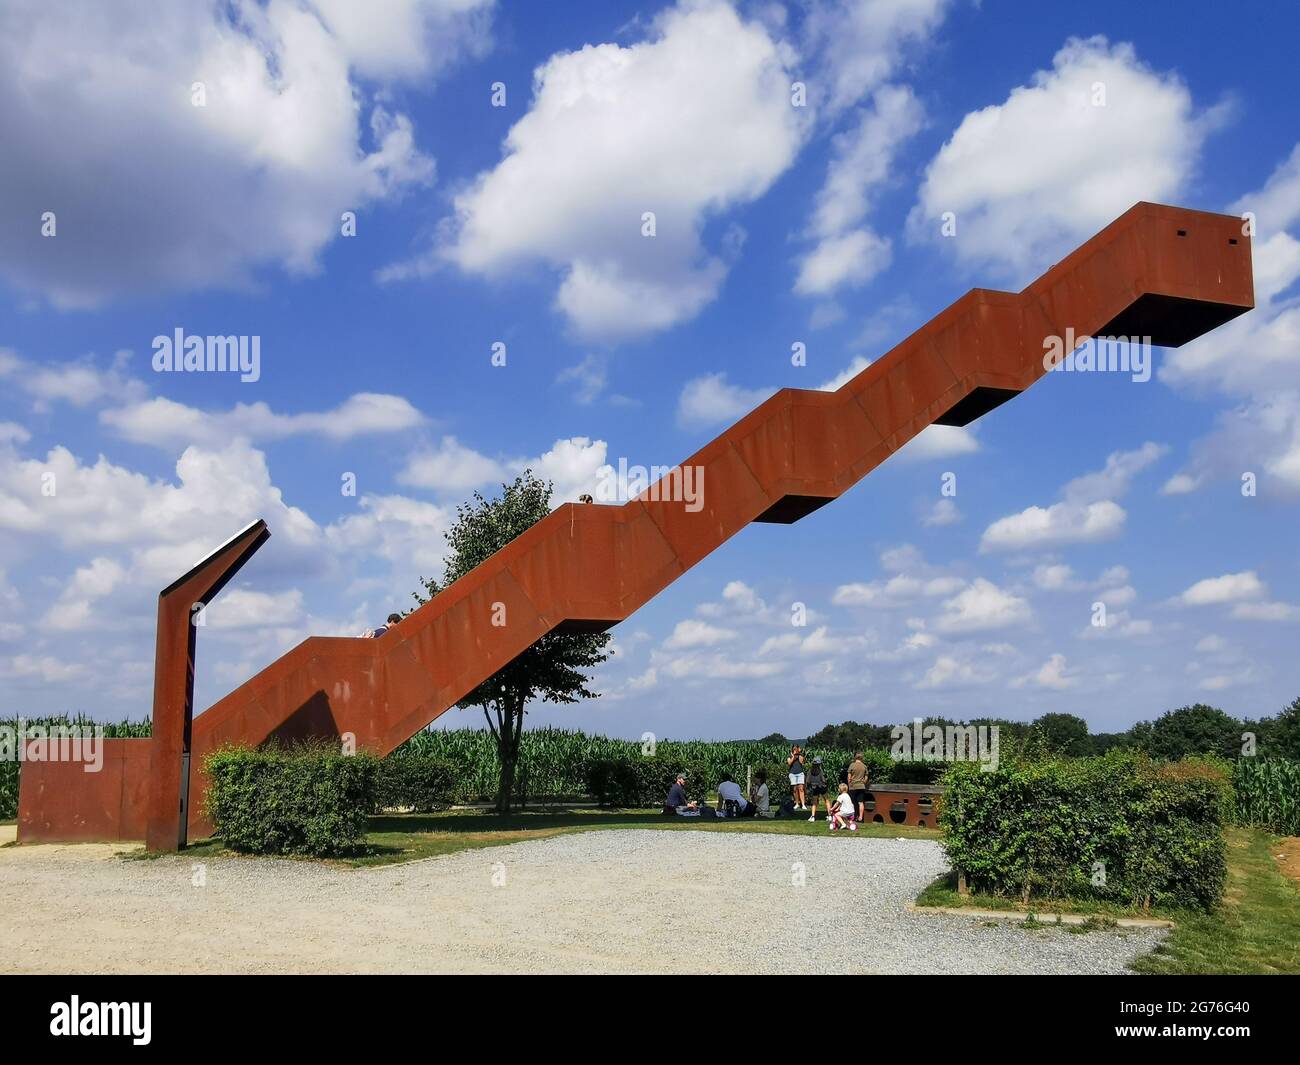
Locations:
{"points": [[1268, 794], [306, 800], [414, 781], [1118, 827]]}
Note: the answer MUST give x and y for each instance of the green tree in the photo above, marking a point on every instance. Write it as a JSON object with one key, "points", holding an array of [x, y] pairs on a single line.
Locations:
{"points": [[1280, 736], [1065, 733], [1197, 729], [552, 668]]}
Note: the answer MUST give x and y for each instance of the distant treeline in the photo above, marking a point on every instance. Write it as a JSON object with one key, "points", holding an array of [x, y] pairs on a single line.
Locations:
{"points": [[1189, 730]]}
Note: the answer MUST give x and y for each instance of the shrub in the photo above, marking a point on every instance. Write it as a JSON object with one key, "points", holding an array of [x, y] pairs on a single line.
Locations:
{"points": [[644, 781], [308, 799], [1117, 827], [412, 781], [1268, 794]]}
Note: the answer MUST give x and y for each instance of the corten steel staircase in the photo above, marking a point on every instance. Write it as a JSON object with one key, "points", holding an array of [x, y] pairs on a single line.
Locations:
{"points": [[1160, 272]]}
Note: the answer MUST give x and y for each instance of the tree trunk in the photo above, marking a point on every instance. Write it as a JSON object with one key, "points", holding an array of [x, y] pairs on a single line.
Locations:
{"points": [[512, 722]]}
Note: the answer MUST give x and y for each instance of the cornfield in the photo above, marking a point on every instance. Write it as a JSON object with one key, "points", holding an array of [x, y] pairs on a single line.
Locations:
{"points": [[553, 762], [9, 766], [1268, 794]]}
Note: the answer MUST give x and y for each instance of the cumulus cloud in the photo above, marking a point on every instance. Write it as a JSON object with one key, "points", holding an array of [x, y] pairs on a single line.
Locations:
{"points": [[1023, 177], [713, 400], [165, 423], [1226, 589], [1052, 674], [1085, 515], [574, 466], [861, 43], [982, 606], [187, 196], [950, 671], [695, 633], [577, 176], [849, 253], [1252, 358]]}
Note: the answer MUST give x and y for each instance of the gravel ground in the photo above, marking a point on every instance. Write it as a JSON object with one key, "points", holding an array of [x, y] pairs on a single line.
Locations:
{"points": [[606, 901]]}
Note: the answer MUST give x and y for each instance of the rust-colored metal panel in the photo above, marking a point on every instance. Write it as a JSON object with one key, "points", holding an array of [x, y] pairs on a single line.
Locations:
{"points": [[61, 802], [1163, 272]]}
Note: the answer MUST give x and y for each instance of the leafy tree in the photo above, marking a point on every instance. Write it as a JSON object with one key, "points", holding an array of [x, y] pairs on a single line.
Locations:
{"points": [[1197, 729], [1065, 733], [552, 668], [1279, 736]]}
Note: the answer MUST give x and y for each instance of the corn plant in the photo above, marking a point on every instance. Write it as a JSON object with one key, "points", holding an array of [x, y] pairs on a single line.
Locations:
{"points": [[1268, 793]]}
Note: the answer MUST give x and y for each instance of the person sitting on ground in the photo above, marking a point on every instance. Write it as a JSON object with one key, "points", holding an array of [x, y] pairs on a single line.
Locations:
{"points": [[760, 795], [730, 799], [818, 788], [859, 776], [842, 811], [677, 801], [372, 634]]}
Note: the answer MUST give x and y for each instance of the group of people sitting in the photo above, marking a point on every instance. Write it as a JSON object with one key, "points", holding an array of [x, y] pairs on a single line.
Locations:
{"points": [[808, 780]]}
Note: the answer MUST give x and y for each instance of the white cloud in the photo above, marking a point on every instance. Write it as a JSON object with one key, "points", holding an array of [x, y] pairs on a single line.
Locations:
{"points": [[847, 251], [1061, 523], [1023, 177], [943, 512], [188, 196], [245, 608], [89, 583], [940, 442], [860, 43], [407, 38], [165, 423], [450, 467], [951, 672], [45, 668], [577, 176], [852, 258], [80, 382], [217, 492], [1055, 577], [1229, 588], [982, 606], [573, 465], [859, 363], [694, 633], [712, 400], [1087, 514], [1270, 611], [1051, 674]]}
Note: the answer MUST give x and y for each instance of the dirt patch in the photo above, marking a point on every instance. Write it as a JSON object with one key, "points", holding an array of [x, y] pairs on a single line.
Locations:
{"points": [[1287, 855]]}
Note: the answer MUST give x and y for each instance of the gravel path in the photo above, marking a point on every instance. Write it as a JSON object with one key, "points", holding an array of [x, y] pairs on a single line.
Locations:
{"points": [[605, 901]]}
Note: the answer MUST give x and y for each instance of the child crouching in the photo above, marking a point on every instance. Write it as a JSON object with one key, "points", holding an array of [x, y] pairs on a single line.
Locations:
{"points": [[842, 811]]}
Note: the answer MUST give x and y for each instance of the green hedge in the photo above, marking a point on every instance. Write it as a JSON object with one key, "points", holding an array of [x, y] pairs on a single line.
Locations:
{"points": [[416, 782], [1268, 793], [1037, 828], [309, 799]]}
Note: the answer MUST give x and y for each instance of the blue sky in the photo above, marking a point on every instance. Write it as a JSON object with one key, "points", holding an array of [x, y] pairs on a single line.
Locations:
{"points": [[521, 225]]}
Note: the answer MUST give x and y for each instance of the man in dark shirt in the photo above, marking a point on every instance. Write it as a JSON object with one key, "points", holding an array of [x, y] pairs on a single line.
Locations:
{"points": [[677, 795]]}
